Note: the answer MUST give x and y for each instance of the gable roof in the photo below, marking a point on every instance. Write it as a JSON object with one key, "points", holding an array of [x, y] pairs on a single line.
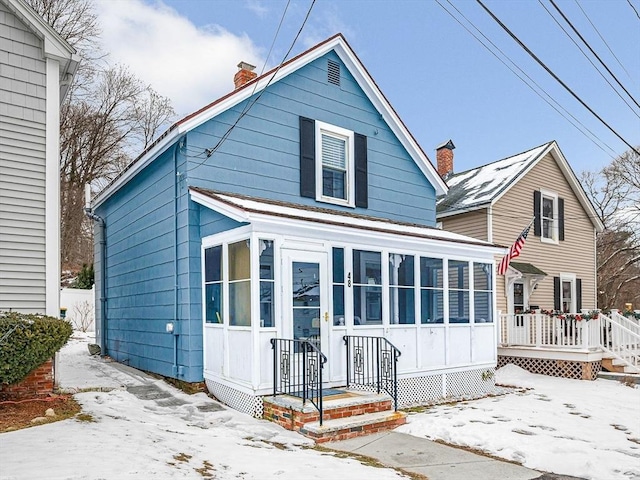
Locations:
{"points": [[483, 186], [336, 43], [54, 45]]}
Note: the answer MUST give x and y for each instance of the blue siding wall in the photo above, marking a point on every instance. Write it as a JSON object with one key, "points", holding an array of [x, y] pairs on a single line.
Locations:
{"points": [[141, 273], [261, 155]]}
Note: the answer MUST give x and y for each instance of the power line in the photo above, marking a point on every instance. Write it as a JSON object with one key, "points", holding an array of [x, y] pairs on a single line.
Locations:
{"points": [[542, 64], [593, 52], [588, 59], [602, 38], [634, 9], [550, 99], [211, 151]]}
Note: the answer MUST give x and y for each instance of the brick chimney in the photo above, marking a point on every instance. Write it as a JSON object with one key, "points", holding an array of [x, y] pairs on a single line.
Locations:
{"points": [[244, 74], [444, 159]]}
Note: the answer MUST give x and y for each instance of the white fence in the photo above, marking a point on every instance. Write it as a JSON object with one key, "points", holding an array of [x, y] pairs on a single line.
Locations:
{"points": [[80, 305], [544, 331]]}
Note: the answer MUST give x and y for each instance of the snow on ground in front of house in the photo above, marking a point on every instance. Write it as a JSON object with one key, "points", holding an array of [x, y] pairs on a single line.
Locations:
{"points": [[572, 427], [139, 439]]}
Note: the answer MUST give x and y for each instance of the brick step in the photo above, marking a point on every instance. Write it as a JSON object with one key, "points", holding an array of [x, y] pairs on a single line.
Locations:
{"points": [[355, 426]]}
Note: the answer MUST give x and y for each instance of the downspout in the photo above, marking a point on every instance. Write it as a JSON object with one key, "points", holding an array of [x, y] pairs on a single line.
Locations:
{"points": [[103, 276], [175, 330]]}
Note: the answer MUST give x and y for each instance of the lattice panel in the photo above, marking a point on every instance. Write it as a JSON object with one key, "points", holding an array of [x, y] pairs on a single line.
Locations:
{"points": [[241, 401], [419, 390], [555, 368], [470, 383]]}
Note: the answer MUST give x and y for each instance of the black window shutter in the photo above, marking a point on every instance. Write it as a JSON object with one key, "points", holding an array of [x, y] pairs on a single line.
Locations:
{"points": [[561, 219], [537, 221], [578, 294], [362, 189], [556, 293], [307, 157]]}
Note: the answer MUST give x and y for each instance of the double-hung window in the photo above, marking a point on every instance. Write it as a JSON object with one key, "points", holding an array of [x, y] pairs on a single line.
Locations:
{"points": [[549, 216], [334, 165]]}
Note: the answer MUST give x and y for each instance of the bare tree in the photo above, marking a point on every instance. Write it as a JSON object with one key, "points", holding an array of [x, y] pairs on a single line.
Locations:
{"points": [[615, 193], [108, 116]]}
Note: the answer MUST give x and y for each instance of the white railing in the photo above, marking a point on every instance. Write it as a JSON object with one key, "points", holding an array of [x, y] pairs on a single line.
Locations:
{"points": [[621, 338], [613, 333], [544, 331]]}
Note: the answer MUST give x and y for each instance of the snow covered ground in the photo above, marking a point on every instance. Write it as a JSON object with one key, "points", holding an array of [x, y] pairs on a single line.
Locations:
{"points": [[586, 429], [572, 427]]}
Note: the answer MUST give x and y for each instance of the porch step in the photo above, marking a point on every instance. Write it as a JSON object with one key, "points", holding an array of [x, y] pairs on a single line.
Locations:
{"points": [[354, 426], [616, 365], [345, 415]]}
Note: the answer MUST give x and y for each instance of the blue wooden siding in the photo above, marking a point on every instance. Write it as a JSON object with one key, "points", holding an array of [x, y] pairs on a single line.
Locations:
{"points": [[141, 270], [261, 156]]}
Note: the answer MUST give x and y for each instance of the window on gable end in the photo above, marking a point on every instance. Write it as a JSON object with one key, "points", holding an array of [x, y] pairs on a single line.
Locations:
{"points": [[333, 164], [549, 213]]}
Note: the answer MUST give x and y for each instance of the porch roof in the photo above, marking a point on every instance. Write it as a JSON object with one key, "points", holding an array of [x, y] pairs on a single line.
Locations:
{"points": [[527, 268], [244, 208]]}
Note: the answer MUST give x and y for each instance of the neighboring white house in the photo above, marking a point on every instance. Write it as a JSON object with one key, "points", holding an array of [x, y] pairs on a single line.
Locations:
{"points": [[36, 69]]}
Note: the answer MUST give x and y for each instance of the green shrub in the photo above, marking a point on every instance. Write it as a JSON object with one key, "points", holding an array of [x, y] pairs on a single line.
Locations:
{"points": [[84, 278], [27, 341]]}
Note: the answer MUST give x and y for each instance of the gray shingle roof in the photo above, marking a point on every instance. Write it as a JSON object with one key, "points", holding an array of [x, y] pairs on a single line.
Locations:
{"points": [[480, 186]]}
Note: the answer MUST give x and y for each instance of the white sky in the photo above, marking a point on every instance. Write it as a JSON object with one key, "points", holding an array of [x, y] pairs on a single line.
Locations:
{"points": [[572, 427]]}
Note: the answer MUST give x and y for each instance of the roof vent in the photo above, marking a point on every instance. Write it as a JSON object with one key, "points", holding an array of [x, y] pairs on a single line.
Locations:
{"points": [[333, 72]]}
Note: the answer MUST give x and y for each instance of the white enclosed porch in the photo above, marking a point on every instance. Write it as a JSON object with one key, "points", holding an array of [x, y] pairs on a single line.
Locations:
{"points": [[301, 274]]}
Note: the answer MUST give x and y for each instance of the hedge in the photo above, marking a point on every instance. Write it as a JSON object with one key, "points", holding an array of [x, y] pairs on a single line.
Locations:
{"points": [[27, 341]]}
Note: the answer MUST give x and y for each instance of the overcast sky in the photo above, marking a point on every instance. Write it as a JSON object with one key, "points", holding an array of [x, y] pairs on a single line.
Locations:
{"points": [[442, 82]]}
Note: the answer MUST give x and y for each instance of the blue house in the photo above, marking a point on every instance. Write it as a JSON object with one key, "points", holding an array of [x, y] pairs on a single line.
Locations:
{"points": [[298, 208]]}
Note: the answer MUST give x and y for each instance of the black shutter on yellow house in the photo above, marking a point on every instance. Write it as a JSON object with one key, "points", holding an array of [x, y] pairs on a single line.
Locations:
{"points": [[556, 294], [561, 219], [537, 220]]}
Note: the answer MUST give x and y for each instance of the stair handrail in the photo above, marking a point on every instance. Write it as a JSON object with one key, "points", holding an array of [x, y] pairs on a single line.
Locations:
{"points": [[385, 374], [309, 367], [624, 321], [616, 340]]}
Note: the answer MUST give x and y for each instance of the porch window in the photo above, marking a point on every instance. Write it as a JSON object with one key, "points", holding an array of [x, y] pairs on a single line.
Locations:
{"points": [[458, 291], [401, 289], [213, 284], [239, 283], [482, 293], [338, 286], [431, 288], [266, 283], [367, 288]]}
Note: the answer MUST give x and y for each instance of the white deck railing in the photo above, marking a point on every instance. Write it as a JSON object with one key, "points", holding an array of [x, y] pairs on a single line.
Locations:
{"points": [[613, 333], [544, 331]]}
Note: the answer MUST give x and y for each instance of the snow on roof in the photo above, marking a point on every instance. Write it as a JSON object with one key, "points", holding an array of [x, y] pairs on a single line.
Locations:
{"points": [[243, 208], [480, 186]]}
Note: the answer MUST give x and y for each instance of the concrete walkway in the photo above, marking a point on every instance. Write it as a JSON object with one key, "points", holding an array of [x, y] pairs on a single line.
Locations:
{"points": [[434, 460]]}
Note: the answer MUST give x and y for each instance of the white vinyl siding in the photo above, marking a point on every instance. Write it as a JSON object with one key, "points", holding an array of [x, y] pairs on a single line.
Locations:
{"points": [[22, 167]]}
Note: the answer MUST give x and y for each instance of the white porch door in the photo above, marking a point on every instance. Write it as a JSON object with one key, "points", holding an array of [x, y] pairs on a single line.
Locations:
{"points": [[305, 297]]}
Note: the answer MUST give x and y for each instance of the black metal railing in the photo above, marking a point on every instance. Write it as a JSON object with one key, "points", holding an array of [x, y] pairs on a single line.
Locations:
{"points": [[297, 370], [372, 364]]}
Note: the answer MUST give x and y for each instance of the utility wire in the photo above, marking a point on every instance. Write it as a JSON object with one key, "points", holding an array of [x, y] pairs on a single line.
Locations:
{"points": [[588, 59], [211, 151], [602, 38], [634, 9], [550, 72], [593, 52], [550, 99]]}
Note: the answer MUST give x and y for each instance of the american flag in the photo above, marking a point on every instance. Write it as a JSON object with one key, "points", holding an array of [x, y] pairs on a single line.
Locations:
{"points": [[514, 251]]}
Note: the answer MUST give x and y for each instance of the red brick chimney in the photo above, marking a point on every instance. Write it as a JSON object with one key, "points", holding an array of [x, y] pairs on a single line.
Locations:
{"points": [[444, 159], [244, 74]]}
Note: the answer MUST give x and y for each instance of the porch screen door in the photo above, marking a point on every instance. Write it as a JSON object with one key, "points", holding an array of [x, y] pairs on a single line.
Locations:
{"points": [[305, 297]]}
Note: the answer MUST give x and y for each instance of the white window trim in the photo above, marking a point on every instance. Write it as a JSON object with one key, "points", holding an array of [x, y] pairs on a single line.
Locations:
{"points": [[548, 194], [569, 277], [348, 136]]}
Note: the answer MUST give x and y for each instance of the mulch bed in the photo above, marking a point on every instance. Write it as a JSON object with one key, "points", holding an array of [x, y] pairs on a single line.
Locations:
{"points": [[17, 415]]}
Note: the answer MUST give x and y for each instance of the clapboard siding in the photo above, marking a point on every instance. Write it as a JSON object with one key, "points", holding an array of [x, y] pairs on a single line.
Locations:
{"points": [[22, 166], [576, 254], [261, 155], [473, 224]]}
